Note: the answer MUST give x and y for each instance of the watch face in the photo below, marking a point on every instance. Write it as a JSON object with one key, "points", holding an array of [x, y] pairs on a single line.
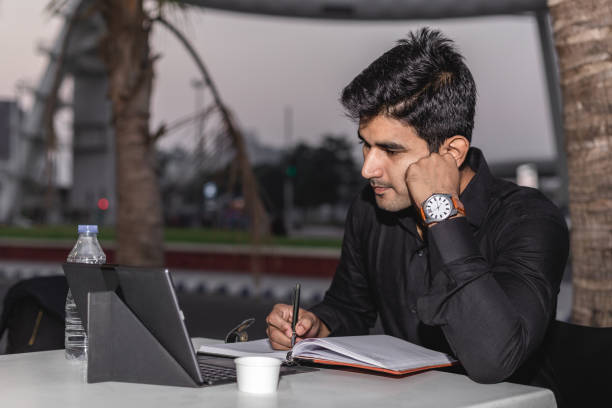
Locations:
{"points": [[438, 207]]}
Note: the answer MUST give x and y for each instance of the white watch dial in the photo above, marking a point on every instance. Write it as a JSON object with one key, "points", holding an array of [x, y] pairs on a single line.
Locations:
{"points": [[438, 207]]}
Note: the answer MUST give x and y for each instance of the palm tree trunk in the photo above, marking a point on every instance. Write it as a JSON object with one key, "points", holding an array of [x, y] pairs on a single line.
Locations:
{"points": [[130, 69], [583, 37]]}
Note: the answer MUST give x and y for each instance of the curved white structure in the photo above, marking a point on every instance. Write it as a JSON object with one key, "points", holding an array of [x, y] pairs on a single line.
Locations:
{"points": [[374, 9]]}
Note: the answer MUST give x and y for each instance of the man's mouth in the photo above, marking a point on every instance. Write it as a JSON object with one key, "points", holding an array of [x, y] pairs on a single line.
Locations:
{"points": [[379, 189]]}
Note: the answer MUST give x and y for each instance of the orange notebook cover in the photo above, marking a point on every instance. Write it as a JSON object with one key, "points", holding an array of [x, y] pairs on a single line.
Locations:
{"points": [[378, 369]]}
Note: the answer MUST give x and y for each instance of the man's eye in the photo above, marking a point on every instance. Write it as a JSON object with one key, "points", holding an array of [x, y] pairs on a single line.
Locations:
{"points": [[391, 152]]}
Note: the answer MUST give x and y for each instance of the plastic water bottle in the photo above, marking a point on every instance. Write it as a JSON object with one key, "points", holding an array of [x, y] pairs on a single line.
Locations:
{"points": [[86, 250]]}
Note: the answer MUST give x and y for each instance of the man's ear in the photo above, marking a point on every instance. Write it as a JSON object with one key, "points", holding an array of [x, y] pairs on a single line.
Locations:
{"points": [[457, 146]]}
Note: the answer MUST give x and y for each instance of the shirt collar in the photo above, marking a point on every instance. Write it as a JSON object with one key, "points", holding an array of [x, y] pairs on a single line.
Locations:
{"points": [[406, 218], [475, 197]]}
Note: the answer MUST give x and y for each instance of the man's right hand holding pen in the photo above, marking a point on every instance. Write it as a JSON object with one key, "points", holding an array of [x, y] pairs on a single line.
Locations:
{"points": [[279, 326]]}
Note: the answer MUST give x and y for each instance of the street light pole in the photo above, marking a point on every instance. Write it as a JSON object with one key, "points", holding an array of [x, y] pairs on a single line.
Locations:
{"points": [[288, 184], [198, 86]]}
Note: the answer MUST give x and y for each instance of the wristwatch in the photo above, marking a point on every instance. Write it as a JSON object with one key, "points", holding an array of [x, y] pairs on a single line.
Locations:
{"points": [[439, 207]]}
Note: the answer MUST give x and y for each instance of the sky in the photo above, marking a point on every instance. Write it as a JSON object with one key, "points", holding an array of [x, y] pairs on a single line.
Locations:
{"points": [[264, 65]]}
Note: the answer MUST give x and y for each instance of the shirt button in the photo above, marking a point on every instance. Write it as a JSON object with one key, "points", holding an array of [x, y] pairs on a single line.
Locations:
{"points": [[420, 252], [413, 310]]}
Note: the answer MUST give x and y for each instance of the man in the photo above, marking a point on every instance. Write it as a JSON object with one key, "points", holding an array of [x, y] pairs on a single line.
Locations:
{"points": [[448, 256]]}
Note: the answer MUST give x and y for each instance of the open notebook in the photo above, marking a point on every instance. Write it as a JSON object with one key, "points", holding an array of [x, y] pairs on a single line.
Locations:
{"points": [[374, 352]]}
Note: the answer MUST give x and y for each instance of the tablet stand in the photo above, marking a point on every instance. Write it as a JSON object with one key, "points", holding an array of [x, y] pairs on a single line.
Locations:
{"points": [[122, 349]]}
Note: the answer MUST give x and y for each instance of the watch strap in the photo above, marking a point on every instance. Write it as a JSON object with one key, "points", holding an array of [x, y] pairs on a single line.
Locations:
{"points": [[458, 205]]}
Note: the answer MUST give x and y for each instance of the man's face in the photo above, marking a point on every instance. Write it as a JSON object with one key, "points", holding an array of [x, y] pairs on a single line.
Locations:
{"points": [[389, 147]]}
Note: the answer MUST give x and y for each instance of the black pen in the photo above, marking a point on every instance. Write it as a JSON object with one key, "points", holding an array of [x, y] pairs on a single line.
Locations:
{"points": [[296, 308]]}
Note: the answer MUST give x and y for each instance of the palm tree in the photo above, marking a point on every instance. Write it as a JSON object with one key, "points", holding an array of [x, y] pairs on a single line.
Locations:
{"points": [[129, 62], [583, 37]]}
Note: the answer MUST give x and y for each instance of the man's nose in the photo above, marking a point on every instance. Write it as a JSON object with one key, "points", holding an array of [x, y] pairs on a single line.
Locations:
{"points": [[371, 165]]}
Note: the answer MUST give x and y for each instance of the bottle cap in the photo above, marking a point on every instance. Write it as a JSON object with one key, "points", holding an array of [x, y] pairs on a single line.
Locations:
{"points": [[84, 229]]}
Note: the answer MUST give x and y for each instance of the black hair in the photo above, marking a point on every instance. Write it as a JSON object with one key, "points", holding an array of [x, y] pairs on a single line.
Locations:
{"points": [[423, 82]]}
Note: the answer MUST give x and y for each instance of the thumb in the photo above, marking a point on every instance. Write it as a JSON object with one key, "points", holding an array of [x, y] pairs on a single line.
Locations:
{"points": [[303, 326]]}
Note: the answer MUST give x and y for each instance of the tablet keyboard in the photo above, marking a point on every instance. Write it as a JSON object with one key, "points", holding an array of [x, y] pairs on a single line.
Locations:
{"points": [[213, 374]]}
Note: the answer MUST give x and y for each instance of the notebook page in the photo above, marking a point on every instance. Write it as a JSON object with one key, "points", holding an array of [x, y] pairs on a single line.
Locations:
{"points": [[330, 349], [248, 348]]}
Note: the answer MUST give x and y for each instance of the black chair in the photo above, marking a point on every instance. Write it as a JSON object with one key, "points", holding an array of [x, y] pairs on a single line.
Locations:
{"points": [[33, 314], [577, 365]]}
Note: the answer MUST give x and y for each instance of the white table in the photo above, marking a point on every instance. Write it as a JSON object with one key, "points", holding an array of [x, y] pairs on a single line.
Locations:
{"points": [[47, 380]]}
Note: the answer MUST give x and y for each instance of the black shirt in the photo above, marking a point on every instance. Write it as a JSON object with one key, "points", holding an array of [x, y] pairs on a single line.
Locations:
{"points": [[482, 287]]}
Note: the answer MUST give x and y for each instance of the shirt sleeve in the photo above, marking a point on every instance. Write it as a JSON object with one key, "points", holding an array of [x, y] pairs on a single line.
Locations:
{"points": [[495, 314], [347, 307]]}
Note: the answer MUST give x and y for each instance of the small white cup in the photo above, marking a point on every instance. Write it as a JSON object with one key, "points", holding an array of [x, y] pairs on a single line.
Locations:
{"points": [[257, 374]]}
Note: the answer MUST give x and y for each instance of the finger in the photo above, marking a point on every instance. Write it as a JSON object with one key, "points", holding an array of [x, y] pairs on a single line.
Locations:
{"points": [[448, 156], [283, 310], [280, 325], [277, 346], [308, 326], [279, 319], [412, 172], [313, 331], [304, 325], [278, 339]]}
